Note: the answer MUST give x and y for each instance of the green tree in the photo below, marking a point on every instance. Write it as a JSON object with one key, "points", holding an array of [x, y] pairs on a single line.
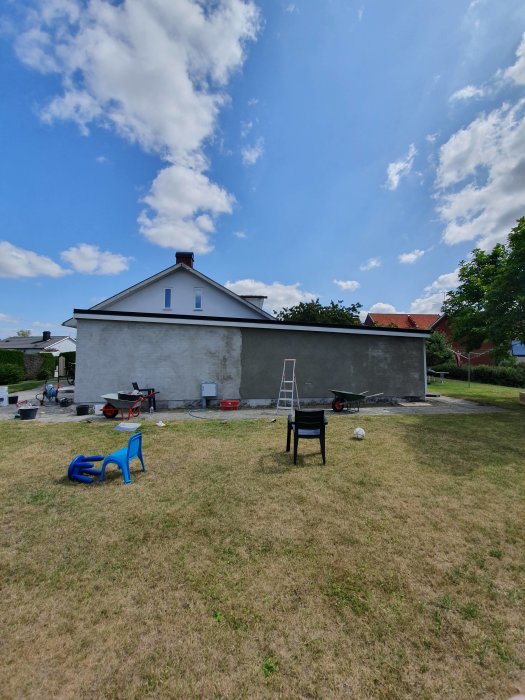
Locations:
{"points": [[489, 303], [23, 334], [438, 350], [506, 295], [315, 312]]}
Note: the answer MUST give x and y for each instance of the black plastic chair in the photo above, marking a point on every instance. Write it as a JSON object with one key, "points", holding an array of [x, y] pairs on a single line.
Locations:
{"points": [[150, 393], [308, 425]]}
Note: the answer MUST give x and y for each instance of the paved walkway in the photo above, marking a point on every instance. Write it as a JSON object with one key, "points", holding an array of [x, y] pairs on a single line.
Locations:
{"points": [[54, 413]]}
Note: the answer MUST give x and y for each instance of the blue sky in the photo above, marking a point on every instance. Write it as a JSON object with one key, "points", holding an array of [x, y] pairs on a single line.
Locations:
{"points": [[352, 150]]}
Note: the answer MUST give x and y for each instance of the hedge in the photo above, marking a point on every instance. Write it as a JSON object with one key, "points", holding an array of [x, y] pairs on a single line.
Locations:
{"points": [[485, 374], [12, 357], [49, 362], [11, 374]]}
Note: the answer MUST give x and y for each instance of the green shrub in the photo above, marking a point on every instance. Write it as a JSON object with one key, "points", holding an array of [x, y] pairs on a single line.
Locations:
{"points": [[49, 362], [12, 357], [11, 374], [438, 350], [43, 374], [486, 374]]}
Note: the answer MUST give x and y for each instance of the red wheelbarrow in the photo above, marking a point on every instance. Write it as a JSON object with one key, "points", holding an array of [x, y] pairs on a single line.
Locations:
{"points": [[124, 402], [349, 400]]}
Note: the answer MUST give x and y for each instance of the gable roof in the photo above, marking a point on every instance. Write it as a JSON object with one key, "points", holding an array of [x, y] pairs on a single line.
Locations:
{"points": [[405, 321], [32, 342], [168, 271]]}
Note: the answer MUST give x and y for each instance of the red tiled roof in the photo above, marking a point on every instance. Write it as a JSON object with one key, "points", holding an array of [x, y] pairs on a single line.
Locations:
{"points": [[422, 322]]}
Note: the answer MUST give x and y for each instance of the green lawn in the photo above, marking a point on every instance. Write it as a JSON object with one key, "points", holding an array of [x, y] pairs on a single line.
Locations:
{"points": [[502, 396], [397, 571], [25, 385]]}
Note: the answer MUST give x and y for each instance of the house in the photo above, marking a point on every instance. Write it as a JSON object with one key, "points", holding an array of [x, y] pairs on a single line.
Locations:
{"points": [[434, 323], [518, 352], [179, 329], [54, 344]]}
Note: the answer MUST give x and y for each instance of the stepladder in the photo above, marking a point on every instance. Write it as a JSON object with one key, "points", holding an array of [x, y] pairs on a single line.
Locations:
{"points": [[288, 398]]}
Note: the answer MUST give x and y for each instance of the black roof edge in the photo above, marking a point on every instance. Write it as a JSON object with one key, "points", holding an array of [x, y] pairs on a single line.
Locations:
{"points": [[255, 321]]}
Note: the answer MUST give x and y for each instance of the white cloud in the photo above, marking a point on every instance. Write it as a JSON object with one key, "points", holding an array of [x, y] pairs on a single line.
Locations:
{"points": [[516, 73], [239, 234], [101, 159], [351, 285], [90, 260], [428, 304], [400, 168], [410, 258], [253, 102], [360, 13], [445, 283], [433, 296], [431, 138], [5, 318], [370, 264], [246, 127], [279, 295], [291, 8], [481, 177], [17, 262], [155, 71], [187, 219], [382, 308], [467, 93], [251, 154]]}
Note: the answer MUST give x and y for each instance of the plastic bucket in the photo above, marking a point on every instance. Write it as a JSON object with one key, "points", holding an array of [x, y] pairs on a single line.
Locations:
{"points": [[28, 412], [82, 409]]}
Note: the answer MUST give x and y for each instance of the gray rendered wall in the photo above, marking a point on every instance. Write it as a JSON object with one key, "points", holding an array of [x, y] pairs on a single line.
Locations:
{"points": [[173, 359], [374, 363]]}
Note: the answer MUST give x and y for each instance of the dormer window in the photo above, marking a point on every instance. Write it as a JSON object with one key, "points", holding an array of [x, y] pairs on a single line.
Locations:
{"points": [[197, 296], [167, 298]]}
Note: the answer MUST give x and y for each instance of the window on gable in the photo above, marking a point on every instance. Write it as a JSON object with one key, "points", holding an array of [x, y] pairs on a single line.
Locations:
{"points": [[167, 298], [198, 298]]}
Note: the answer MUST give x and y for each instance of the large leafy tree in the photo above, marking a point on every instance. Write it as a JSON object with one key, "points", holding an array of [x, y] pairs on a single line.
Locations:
{"points": [[489, 303], [506, 295], [315, 312]]}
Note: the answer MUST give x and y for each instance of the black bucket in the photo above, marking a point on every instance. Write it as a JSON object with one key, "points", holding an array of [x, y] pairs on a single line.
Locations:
{"points": [[28, 412], [82, 409], [12, 399]]}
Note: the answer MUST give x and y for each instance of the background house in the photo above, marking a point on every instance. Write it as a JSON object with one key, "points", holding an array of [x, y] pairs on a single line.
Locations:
{"points": [[178, 329], [433, 322], [54, 344], [518, 352]]}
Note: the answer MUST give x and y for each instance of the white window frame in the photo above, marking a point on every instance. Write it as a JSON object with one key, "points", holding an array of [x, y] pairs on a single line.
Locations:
{"points": [[197, 295]]}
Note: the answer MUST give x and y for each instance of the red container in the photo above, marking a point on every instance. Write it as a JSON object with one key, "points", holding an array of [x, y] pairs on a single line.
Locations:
{"points": [[229, 404]]}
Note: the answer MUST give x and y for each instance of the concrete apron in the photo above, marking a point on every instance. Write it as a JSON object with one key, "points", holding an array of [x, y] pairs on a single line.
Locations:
{"points": [[54, 413]]}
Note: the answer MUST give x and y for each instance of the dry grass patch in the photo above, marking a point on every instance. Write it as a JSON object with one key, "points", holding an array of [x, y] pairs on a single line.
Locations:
{"points": [[395, 571]]}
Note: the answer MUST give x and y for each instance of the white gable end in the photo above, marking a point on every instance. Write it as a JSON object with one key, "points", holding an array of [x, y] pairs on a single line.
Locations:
{"points": [[182, 292]]}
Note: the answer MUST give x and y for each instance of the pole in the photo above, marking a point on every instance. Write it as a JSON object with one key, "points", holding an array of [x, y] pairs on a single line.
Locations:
{"points": [[469, 370]]}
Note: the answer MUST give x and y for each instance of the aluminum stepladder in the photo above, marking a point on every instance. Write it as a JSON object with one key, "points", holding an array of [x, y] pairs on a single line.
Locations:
{"points": [[288, 391]]}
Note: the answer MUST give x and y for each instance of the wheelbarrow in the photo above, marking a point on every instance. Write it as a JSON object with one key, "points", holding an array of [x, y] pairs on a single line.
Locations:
{"points": [[123, 402], [349, 399]]}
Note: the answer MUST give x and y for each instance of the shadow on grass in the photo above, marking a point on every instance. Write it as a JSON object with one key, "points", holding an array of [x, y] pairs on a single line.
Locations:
{"points": [[282, 462]]}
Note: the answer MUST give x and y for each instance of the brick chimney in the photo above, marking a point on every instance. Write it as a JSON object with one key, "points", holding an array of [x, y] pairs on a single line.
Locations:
{"points": [[185, 258], [46, 335]]}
